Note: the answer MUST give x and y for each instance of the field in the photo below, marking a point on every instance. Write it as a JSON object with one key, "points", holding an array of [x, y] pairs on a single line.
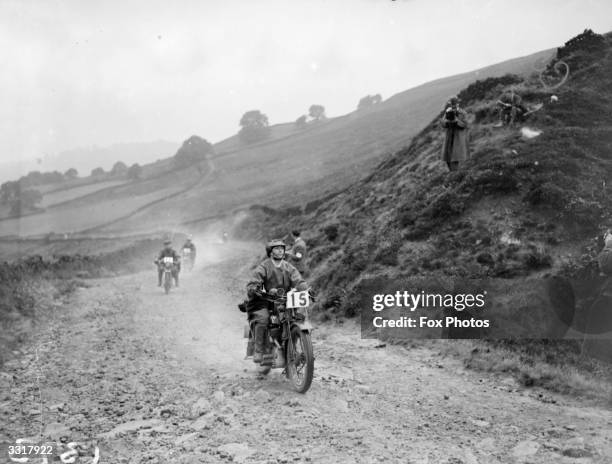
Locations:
{"points": [[60, 196]]}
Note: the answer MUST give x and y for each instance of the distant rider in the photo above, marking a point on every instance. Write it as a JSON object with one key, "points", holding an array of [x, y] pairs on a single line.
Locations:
{"points": [[272, 274], [191, 246], [168, 251]]}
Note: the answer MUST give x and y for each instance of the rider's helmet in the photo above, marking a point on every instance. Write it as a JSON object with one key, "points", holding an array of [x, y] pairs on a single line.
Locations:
{"points": [[274, 243], [189, 237]]}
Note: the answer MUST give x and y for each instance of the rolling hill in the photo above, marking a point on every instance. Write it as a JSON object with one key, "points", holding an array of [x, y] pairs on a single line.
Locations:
{"points": [[308, 164], [521, 219]]}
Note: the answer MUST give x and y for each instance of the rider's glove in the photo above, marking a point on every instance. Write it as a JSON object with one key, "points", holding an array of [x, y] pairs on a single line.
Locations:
{"points": [[252, 292], [273, 292]]}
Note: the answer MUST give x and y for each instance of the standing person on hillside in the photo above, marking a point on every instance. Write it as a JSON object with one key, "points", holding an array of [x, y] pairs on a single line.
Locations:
{"points": [[297, 253], [189, 252], [455, 149], [605, 256]]}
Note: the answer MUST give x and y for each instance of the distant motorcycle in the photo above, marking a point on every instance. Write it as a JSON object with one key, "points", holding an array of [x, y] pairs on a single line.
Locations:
{"points": [[288, 344], [187, 258], [169, 268]]}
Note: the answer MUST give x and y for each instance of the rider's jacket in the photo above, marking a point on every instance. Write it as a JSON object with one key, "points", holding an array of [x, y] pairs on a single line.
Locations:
{"points": [[189, 245], [267, 276], [168, 252]]}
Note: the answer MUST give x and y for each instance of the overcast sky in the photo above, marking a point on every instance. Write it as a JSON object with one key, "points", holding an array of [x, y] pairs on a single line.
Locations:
{"points": [[81, 73]]}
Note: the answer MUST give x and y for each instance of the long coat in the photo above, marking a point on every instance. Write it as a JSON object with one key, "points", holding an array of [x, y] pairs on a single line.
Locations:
{"points": [[605, 260], [455, 146]]}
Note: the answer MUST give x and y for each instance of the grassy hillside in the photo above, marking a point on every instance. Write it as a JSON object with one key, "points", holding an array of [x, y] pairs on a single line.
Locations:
{"points": [[314, 162], [520, 212]]}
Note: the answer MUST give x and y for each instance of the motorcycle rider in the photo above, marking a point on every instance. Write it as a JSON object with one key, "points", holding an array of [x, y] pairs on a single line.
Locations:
{"points": [[191, 246], [168, 251], [272, 274]]}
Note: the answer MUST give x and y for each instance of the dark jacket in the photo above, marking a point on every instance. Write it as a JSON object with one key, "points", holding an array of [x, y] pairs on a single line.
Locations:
{"points": [[168, 252], [268, 276], [189, 245]]}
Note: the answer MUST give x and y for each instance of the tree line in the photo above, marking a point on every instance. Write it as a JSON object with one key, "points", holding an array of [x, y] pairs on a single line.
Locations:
{"points": [[21, 196]]}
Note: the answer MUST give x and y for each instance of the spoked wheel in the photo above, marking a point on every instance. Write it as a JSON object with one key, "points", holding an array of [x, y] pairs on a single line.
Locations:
{"points": [[167, 282], [300, 360]]}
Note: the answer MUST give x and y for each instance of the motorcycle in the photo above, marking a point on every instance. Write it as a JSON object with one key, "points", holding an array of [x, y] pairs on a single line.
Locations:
{"points": [[168, 269], [188, 258], [287, 342]]}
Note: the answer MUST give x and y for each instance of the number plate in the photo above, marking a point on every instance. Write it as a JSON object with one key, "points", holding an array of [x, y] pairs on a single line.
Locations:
{"points": [[168, 260], [298, 299]]}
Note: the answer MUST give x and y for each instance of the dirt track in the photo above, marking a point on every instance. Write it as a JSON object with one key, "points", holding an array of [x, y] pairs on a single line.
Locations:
{"points": [[161, 379]]}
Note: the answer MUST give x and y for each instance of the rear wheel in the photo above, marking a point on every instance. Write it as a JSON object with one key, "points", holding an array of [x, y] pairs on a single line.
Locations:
{"points": [[167, 282], [300, 360]]}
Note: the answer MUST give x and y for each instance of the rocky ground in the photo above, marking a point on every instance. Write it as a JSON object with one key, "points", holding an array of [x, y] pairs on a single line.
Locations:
{"points": [[150, 378]]}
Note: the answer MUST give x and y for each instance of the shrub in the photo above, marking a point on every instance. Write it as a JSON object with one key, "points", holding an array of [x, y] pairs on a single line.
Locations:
{"points": [[331, 232], [480, 89]]}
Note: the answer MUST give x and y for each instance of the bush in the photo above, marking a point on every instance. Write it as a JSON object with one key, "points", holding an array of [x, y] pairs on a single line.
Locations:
{"points": [[331, 232], [546, 194], [480, 90], [387, 255]]}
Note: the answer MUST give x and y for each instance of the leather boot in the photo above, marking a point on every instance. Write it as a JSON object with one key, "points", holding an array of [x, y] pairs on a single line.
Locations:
{"points": [[259, 339]]}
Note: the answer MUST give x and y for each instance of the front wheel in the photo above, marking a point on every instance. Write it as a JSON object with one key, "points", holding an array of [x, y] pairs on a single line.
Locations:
{"points": [[300, 360], [167, 282]]}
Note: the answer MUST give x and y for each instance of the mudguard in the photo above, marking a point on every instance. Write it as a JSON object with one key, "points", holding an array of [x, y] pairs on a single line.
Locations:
{"points": [[304, 326]]}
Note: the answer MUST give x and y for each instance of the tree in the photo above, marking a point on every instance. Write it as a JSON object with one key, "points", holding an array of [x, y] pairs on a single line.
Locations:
{"points": [[300, 122], [71, 174], [24, 201], [254, 126], [119, 168], [9, 191], [317, 112], [97, 172], [194, 150], [369, 101], [134, 172]]}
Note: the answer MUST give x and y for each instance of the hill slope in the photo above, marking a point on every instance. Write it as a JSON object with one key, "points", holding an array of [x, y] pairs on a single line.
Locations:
{"points": [[316, 161], [521, 210]]}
